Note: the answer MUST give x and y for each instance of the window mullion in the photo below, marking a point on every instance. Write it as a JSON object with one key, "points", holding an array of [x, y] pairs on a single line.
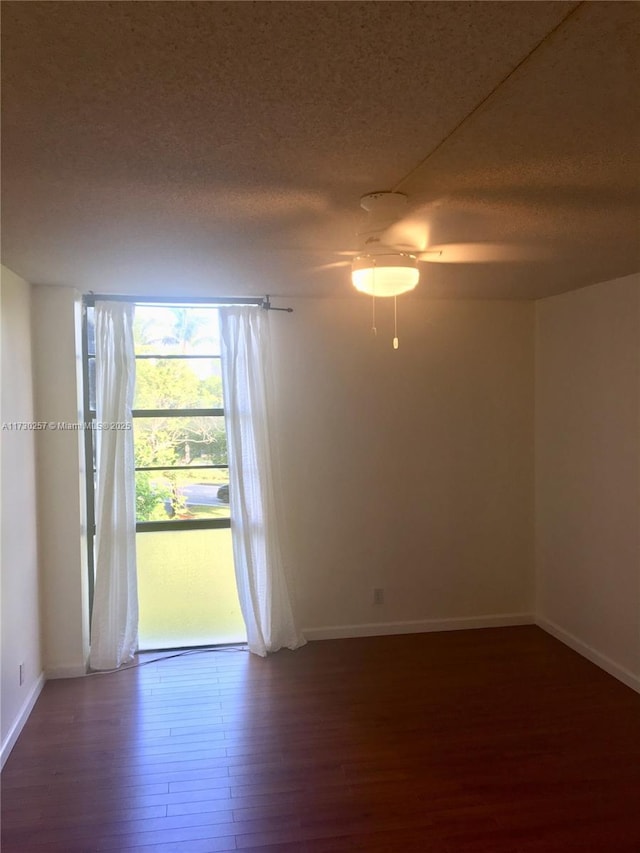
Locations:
{"points": [[214, 465], [183, 524], [177, 413]]}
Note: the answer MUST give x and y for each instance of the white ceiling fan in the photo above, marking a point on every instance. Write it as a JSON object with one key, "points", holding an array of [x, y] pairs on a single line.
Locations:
{"points": [[392, 243]]}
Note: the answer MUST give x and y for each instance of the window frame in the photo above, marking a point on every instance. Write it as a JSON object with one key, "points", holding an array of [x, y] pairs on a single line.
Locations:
{"points": [[89, 415]]}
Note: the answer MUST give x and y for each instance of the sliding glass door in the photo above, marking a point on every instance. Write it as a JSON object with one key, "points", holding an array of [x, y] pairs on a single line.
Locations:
{"points": [[186, 582]]}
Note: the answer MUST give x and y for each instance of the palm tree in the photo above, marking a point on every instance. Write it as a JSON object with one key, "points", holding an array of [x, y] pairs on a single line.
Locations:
{"points": [[187, 329]]}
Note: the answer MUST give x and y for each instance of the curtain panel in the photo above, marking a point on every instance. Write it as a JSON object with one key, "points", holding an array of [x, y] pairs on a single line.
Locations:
{"points": [[255, 515], [114, 624]]}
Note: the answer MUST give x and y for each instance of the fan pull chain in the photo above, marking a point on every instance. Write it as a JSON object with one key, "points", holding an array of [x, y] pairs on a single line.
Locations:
{"points": [[395, 322]]}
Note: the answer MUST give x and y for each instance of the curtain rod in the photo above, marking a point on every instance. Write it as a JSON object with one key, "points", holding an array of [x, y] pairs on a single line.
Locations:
{"points": [[91, 298]]}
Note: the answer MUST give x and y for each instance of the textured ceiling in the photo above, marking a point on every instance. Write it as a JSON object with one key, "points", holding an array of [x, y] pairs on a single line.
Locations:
{"points": [[193, 148]]}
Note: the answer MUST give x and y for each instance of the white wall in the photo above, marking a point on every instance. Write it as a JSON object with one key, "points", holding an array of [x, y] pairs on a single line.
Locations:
{"points": [[409, 470], [20, 586], [588, 472], [60, 506]]}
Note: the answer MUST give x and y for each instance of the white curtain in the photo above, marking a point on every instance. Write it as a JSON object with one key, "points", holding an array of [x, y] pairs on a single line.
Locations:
{"points": [[260, 575], [114, 624]]}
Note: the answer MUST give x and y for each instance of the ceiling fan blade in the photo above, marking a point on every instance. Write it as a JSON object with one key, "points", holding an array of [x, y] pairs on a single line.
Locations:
{"points": [[479, 253], [310, 250], [334, 265], [410, 234]]}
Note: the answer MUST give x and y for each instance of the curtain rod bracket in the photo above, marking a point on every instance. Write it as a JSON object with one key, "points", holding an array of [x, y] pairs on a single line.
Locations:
{"points": [[266, 304]]}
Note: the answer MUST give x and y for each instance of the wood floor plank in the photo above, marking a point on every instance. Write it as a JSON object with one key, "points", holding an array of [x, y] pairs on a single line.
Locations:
{"points": [[488, 741]]}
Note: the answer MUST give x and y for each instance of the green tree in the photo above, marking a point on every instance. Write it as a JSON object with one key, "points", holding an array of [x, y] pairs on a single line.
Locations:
{"points": [[164, 384], [159, 330], [173, 384], [189, 329], [150, 496]]}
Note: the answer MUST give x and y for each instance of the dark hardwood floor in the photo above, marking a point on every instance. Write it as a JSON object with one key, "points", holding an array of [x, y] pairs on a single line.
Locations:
{"points": [[491, 740]]}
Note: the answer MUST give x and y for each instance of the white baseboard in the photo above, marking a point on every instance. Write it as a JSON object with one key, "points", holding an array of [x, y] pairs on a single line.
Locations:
{"points": [[70, 671], [376, 629], [23, 715], [619, 672]]}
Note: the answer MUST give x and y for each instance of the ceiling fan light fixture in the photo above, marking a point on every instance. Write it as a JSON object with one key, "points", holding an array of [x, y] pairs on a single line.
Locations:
{"points": [[385, 274]]}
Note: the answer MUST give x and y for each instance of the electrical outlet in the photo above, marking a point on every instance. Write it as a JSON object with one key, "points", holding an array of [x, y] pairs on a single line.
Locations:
{"points": [[21, 676], [378, 596]]}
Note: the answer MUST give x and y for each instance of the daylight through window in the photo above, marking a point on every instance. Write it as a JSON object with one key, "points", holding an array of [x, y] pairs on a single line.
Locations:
{"points": [[182, 474]]}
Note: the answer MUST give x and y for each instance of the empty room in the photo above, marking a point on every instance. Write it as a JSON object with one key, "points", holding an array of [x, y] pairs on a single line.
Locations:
{"points": [[320, 446]]}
